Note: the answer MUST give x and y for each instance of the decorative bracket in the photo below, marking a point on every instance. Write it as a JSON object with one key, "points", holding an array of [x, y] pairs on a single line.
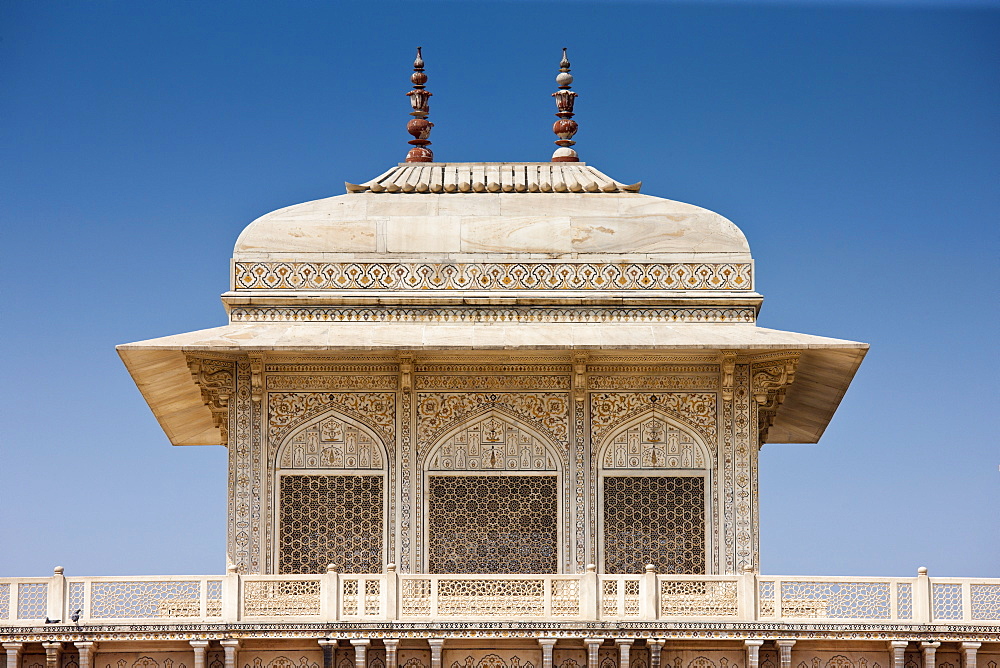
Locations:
{"points": [[768, 385], [406, 372], [217, 381], [727, 361], [256, 378], [580, 377]]}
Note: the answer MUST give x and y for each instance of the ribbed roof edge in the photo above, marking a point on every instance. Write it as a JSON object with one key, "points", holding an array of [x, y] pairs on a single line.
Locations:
{"points": [[493, 177]]}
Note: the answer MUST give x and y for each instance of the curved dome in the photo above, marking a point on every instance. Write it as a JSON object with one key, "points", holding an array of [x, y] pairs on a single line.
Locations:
{"points": [[527, 259], [572, 211]]}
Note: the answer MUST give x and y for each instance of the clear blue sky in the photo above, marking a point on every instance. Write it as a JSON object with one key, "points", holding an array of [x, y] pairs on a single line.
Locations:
{"points": [[857, 145]]}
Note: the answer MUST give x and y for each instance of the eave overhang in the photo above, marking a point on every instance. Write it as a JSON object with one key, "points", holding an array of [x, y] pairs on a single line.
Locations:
{"points": [[160, 367]]}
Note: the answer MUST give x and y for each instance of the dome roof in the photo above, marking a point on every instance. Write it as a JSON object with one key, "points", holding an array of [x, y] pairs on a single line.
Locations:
{"points": [[514, 259], [464, 211]]}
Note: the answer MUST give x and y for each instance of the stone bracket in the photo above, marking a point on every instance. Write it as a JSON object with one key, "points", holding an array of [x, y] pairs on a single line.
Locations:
{"points": [[727, 363], [580, 377], [769, 381], [217, 381], [405, 372], [256, 378]]}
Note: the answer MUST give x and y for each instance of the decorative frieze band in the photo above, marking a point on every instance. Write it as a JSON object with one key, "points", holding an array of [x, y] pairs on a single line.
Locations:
{"points": [[330, 367], [652, 369], [325, 382], [445, 367], [484, 315], [703, 382], [532, 382], [491, 276]]}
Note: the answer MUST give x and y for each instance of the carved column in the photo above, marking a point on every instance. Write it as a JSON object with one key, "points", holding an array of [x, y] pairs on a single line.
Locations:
{"points": [[898, 649], [785, 652], [86, 651], [230, 645], [360, 651], [930, 653], [624, 648], [547, 645], [329, 647], [391, 652], [969, 654], [436, 645], [655, 649], [13, 650], [753, 652], [199, 647], [593, 645], [53, 650]]}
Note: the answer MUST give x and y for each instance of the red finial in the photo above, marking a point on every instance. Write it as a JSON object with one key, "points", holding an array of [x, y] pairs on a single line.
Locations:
{"points": [[419, 126], [565, 127]]}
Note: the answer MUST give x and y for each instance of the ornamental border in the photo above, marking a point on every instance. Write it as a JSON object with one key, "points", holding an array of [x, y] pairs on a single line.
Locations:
{"points": [[492, 276], [489, 315]]}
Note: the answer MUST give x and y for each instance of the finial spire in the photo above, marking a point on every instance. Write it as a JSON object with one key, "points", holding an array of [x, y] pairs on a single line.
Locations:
{"points": [[565, 127], [419, 126]]}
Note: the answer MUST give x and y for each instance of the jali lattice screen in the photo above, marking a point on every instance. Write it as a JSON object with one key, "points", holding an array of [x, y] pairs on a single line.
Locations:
{"points": [[330, 519], [657, 520], [492, 524]]}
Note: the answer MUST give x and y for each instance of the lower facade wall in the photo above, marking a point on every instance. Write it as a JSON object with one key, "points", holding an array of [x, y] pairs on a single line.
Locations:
{"points": [[512, 653]]}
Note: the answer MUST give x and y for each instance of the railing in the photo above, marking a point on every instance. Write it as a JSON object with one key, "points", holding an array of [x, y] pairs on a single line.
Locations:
{"points": [[582, 597]]}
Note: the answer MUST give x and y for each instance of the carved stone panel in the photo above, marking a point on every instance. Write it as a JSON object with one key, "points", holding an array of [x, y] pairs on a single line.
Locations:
{"points": [[653, 444], [492, 444], [331, 443]]}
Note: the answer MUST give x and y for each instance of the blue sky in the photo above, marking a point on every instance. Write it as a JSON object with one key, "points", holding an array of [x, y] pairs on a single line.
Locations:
{"points": [[857, 145]]}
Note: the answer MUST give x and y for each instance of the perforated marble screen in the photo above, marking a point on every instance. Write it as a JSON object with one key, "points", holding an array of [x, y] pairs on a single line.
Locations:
{"points": [[492, 524], [330, 519], [657, 520]]}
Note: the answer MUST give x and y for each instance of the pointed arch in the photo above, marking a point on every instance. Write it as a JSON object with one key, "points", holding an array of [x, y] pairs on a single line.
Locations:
{"points": [[701, 662], [492, 490], [330, 475], [332, 440], [840, 661], [493, 441], [653, 440], [654, 476]]}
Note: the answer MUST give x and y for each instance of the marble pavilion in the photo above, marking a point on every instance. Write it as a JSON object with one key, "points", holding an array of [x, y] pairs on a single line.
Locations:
{"points": [[494, 415]]}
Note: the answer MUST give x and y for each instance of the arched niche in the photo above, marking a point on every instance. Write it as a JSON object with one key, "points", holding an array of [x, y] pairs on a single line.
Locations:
{"points": [[331, 502], [654, 441], [654, 477], [331, 441], [492, 498], [492, 442]]}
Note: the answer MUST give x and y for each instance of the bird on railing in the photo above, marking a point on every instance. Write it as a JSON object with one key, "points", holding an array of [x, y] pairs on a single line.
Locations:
{"points": [[76, 616], [52, 621]]}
